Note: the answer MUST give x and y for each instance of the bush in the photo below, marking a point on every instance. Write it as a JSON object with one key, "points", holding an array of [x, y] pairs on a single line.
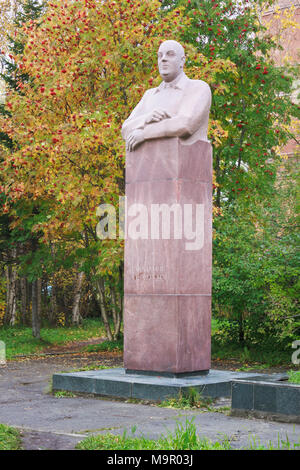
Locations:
{"points": [[225, 332]]}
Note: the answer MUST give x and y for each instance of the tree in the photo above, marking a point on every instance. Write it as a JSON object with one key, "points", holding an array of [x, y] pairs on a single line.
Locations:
{"points": [[87, 64], [17, 13], [256, 108], [256, 268], [255, 113]]}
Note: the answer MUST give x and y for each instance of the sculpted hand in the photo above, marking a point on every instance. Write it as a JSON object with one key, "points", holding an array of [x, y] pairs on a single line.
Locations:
{"points": [[134, 139], [157, 115]]}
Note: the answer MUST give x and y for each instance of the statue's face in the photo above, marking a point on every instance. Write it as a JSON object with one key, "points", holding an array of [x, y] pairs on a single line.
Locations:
{"points": [[170, 60]]}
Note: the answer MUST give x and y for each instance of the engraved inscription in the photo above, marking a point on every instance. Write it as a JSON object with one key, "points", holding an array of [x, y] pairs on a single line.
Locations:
{"points": [[149, 273]]}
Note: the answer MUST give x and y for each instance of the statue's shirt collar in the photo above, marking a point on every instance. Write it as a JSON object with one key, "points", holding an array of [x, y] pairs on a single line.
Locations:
{"points": [[178, 84]]}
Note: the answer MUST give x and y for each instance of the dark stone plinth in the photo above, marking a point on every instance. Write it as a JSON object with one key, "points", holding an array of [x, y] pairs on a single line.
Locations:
{"points": [[269, 397], [166, 374], [117, 383]]}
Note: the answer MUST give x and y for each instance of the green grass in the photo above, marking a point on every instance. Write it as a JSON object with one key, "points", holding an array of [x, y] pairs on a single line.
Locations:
{"points": [[64, 394], [184, 437], [19, 339], [191, 400], [9, 438], [281, 444], [105, 346], [294, 376]]}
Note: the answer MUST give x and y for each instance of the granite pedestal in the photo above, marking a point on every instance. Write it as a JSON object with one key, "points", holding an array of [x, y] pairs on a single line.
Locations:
{"points": [[167, 277]]}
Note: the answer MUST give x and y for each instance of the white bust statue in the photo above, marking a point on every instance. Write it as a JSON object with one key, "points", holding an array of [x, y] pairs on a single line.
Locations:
{"points": [[178, 107]]}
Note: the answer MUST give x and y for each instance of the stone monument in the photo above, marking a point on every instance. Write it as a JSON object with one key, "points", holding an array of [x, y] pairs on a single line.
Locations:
{"points": [[167, 289], [167, 314]]}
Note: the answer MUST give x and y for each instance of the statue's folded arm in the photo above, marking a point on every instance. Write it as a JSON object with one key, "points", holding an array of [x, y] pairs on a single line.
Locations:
{"points": [[177, 126], [133, 123]]}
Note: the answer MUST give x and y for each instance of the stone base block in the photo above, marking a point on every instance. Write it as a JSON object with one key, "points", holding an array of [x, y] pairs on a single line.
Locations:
{"points": [[116, 383], [270, 397], [167, 333]]}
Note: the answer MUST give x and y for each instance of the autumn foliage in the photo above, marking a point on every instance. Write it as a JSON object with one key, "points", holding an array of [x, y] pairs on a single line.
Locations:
{"points": [[84, 66], [88, 64]]}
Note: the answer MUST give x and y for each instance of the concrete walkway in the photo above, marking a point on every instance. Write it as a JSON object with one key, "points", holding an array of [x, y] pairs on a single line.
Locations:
{"points": [[54, 423]]}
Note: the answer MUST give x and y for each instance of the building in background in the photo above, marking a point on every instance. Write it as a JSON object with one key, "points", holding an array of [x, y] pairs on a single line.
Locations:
{"points": [[286, 12]]}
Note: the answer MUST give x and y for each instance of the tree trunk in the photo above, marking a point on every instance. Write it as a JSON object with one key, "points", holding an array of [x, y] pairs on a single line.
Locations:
{"points": [[53, 294], [36, 308], [121, 306], [45, 292], [11, 294], [53, 304], [39, 299], [76, 318], [113, 304], [120, 296], [117, 310], [24, 297], [241, 329], [24, 302], [29, 301], [101, 291], [116, 313]]}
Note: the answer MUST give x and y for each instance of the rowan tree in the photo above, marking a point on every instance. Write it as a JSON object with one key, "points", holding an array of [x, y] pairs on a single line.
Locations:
{"points": [[14, 15], [256, 108], [88, 63]]}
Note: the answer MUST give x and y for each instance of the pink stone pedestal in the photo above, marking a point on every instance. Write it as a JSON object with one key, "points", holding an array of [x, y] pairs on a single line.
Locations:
{"points": [[167, 315]]}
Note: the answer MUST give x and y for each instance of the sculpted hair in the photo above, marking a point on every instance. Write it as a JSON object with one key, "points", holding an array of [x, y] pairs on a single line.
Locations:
{"points": [[176, 44]]}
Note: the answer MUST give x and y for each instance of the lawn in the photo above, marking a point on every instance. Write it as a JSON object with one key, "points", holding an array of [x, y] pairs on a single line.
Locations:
{"points": [[19, 340]]}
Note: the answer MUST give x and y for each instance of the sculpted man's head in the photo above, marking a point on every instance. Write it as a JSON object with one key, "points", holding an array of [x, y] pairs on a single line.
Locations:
{"points": [[178, 108], [171, 59]]}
